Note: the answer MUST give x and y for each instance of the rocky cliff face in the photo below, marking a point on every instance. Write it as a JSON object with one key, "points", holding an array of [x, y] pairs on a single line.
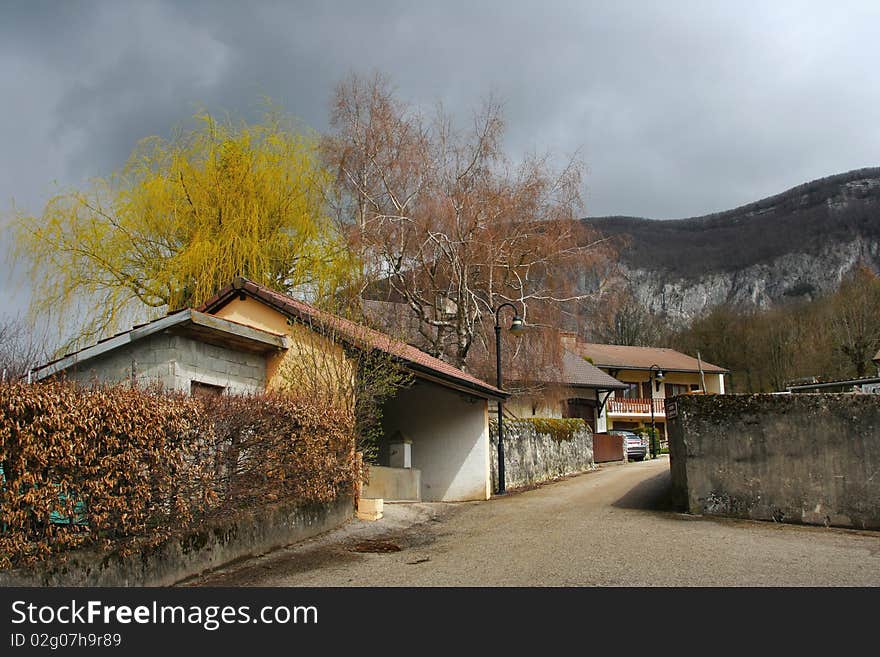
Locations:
{"points": [[796, 245], [791, 276]]}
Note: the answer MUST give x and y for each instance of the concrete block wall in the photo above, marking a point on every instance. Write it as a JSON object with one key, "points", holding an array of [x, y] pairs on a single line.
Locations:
{"points": [[531, 457], [246, 533], [804, 458], [175, 361]]}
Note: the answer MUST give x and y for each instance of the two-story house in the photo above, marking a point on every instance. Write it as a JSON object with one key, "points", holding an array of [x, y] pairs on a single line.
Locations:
{"points": [[652, 375]]}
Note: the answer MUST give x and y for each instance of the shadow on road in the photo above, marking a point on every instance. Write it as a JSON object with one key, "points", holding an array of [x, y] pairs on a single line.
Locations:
{"points": [[654, 494]]}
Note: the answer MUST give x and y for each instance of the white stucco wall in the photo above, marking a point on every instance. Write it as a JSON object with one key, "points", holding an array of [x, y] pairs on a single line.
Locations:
{"points": [[175, 361], [715, 383], [450, 440], [602, 422], [546, 404]]}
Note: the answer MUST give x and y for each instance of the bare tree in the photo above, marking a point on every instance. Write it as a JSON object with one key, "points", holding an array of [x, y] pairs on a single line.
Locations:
{"points": [[622, 319], [21, 348], [855, 319], [447, 225]]}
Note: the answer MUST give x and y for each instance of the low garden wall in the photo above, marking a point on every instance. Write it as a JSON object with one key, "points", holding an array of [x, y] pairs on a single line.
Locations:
{"points": [[248, 533], [397, 484], [540, 449], [802, 458]]}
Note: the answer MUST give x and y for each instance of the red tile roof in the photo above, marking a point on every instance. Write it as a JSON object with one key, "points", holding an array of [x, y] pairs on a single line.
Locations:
{"points": [[356, 334], [642, 358]]}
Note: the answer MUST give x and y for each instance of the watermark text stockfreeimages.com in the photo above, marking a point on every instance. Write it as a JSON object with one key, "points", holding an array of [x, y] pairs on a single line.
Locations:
{"points": [[209, 617]]}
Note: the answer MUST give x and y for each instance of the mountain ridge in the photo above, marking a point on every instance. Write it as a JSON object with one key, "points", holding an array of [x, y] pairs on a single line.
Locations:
{"points": [[795, 244]]}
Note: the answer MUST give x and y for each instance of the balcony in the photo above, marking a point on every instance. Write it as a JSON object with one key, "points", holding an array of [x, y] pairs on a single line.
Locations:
{"points": [[639, 407]]}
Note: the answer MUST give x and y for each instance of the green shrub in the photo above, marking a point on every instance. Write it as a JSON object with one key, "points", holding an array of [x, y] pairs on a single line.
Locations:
{"points": [[558, 429]]}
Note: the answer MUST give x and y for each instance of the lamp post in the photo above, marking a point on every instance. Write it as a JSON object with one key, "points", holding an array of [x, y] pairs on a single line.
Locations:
{"points": [[656, 376], [517, 326]]}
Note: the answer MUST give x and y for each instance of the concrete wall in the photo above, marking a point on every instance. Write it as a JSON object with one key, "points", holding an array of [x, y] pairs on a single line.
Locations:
{"points": [[175, 361], [812, 458], [249, 534], [395, 484], [450, 440], [531, 457]]}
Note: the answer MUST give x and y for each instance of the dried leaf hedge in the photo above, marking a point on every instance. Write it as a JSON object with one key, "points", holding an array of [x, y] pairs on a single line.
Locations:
{"points": [[124, 469]]}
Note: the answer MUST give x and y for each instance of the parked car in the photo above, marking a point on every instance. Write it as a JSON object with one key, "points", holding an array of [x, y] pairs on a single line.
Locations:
{"points": [[636, 445]]}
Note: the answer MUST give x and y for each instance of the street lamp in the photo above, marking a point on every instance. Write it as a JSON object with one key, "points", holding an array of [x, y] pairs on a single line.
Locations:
{"points": [[656, 376], [517, 326]]}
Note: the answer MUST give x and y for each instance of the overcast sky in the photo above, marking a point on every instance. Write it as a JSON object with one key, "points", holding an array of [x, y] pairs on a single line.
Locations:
{"points": [[678, 108]]}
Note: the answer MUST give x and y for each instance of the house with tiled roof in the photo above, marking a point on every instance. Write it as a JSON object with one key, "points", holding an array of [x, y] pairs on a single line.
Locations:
{"points": [[436, 429], [615, 386], [573, 388], [651, 376]]}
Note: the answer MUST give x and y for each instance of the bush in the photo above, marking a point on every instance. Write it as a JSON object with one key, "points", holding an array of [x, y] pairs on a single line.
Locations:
{"points": [[277, 447], [123, 468], [558, 429]]}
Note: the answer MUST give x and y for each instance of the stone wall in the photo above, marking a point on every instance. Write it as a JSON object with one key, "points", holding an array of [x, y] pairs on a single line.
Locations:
{"points": [[248, 534], [531, 457], [802, 458], [175, 361]]}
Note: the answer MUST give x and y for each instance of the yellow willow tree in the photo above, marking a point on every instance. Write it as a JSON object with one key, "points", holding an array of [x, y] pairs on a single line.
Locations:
{"points": [[181, 219]]}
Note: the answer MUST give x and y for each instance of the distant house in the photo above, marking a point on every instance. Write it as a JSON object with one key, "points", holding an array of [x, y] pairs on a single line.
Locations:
{"points": [[577, 389], [437, 429], [609, 386], [674, 373]]}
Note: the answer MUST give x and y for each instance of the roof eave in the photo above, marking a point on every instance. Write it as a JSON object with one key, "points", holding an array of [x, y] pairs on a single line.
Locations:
{"points": [[595, 386], [429, 374], [665, 369]]}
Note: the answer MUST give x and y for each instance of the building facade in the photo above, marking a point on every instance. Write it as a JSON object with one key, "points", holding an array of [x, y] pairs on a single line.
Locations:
{"points": [[652, 376]]}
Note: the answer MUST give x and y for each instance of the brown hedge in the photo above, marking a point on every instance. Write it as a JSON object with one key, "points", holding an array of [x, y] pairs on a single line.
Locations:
{"points": [[123, 468]]}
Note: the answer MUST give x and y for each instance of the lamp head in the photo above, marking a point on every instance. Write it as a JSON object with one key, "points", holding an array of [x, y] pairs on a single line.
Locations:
{"points": [[517, 326], [659, 375]]}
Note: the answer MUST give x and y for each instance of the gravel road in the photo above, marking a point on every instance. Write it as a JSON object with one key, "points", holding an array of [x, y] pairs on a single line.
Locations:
{"points": [[610, 527]]}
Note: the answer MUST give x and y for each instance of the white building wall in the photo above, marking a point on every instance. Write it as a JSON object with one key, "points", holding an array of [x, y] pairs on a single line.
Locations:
{"points": [[450, 440], [602, 421], [715, 383], [549, 404]]}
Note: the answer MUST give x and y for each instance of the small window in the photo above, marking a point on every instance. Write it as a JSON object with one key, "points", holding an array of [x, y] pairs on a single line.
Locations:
{"points": [[633, 391], [199, 389], [675, 389]]}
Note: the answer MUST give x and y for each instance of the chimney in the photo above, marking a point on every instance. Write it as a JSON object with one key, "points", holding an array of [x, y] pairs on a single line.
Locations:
{"points": [[568, 340]]}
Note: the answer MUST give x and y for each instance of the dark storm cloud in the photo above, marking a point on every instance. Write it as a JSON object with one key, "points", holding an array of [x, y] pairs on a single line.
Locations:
{"points": [[679, 108]]}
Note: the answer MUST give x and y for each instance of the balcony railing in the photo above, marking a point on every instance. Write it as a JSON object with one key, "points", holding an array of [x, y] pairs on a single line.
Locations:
{"points": [[636, 406]]}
